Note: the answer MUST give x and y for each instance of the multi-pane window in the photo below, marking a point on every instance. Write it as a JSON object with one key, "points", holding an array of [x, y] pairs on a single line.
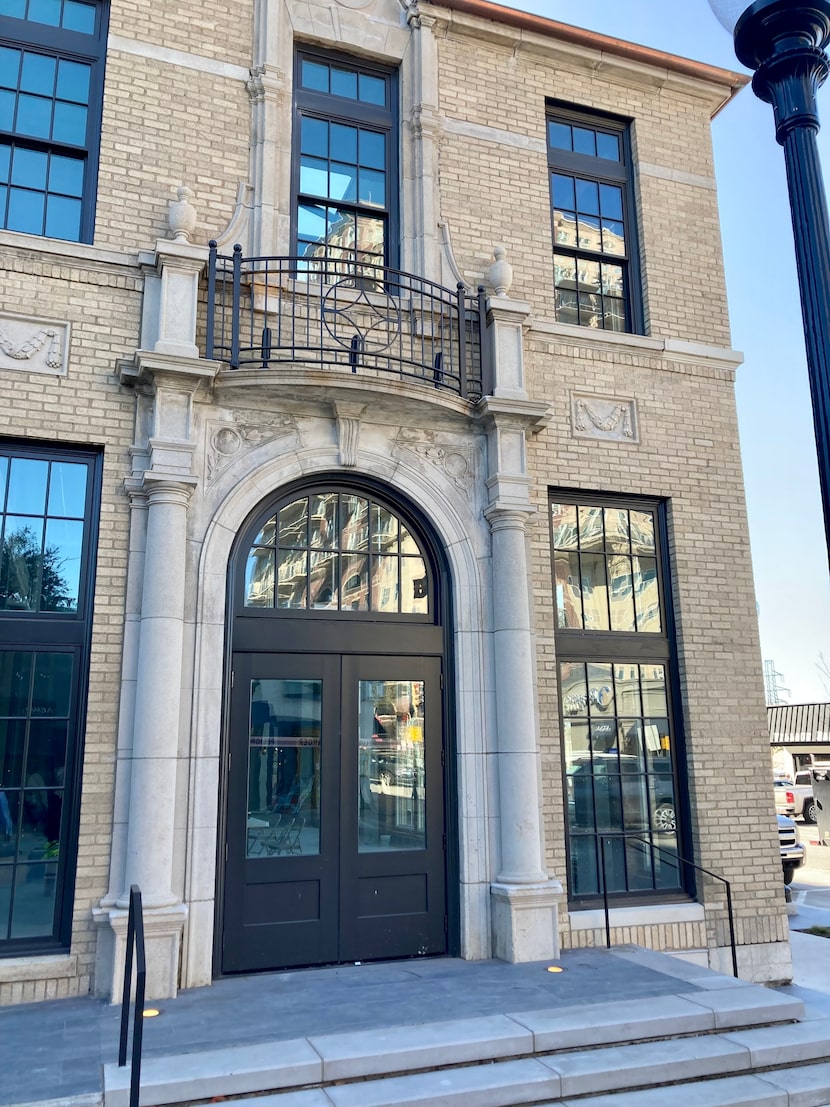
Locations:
{"points": [[619, 746], [51, 77], [593, 255], [336, 551], [48, 501], [344, 160]]}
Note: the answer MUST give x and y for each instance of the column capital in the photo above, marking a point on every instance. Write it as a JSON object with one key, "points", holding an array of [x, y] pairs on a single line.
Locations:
{"points": [[509, 516], [163, 488]]}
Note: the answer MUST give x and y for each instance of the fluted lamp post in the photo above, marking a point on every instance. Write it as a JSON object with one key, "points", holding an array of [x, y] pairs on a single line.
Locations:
{"points": [[783, 41]]}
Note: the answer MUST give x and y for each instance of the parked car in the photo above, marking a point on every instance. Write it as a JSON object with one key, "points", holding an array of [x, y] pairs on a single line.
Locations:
{"points": [[784, 797], [805, 804], [793, 852]]}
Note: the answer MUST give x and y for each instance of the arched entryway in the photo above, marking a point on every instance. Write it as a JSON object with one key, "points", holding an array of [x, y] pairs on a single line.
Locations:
{"points": [[336, 796]]}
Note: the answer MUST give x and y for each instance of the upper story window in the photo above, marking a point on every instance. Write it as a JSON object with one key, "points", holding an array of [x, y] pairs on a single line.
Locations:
{"points": [[51, 86], [593, 225], [345, 160]]}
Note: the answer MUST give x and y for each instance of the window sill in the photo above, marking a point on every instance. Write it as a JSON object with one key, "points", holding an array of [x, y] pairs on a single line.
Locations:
{"points": [[675, 349], [58, 966], [660, 914], [70, 252]]}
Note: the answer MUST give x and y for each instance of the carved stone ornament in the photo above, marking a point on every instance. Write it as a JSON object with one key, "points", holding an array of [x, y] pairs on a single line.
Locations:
{"points": [[455, 461], [248, 430], [347, 421], [500, 274], [604, 417], [181, 215], [34, 345]]}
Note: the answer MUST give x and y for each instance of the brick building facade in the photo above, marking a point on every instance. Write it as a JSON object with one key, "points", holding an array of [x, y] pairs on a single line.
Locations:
{"points": [[382, 587]]}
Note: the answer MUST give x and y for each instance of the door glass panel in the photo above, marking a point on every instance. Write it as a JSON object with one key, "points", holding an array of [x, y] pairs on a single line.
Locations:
{"points": [[391, 803], [284, 729]]}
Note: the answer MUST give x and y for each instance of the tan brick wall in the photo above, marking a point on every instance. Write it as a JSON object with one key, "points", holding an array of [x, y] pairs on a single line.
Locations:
{"points": [[688, 455], [167, 124], [495, 193], [88, 407], [212, 29]]}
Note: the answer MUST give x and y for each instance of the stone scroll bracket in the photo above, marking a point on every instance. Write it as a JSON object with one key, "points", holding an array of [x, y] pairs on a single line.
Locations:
{"points": [[347, 422]]}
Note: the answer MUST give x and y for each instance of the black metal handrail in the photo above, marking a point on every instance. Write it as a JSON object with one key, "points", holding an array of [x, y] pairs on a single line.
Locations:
{"points": [[135, 940], [676, 857], [332, 310]]}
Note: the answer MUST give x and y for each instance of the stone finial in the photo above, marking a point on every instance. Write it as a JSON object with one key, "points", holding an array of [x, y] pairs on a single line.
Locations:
{"points": [[500, 273], [181, 215]]}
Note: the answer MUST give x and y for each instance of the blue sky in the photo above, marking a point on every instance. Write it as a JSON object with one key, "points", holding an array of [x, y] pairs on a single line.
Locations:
{"points": [[777, 443]]}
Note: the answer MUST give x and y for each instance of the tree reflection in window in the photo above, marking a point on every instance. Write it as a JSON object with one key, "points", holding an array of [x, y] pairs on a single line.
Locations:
{"points": [[42, 526]]}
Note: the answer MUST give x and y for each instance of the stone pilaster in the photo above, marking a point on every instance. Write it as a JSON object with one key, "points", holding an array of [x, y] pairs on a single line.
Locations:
{"points": [[167, 374], [523, 897]]}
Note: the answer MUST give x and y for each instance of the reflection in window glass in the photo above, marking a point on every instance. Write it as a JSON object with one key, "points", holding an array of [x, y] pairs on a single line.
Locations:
{"points": [[391, 799], [40, 548], [600, 581], [35, 699], [337, 552], [619, 778], [285, 727], [344, 165]]}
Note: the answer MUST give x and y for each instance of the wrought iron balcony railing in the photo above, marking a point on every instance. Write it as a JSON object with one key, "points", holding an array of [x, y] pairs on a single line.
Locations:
{"points": [[335, 311]]}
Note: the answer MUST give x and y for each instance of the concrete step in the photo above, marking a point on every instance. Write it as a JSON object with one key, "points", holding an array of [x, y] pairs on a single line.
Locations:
{"points": [[498, 1060]]}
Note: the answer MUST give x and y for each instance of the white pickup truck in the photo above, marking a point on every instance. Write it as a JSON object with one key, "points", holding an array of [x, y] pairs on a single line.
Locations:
{"points": [[802, 791]]}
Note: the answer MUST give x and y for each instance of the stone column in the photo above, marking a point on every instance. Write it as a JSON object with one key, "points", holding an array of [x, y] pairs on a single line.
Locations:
{"points": [[149, 858], [524, 900], [167, 373]]}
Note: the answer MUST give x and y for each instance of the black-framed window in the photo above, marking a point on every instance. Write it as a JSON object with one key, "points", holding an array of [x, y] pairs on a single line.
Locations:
{"points": [[337, 551], [594, 250], [49, 502], [51, 86], [345, 160], [621, 757]]}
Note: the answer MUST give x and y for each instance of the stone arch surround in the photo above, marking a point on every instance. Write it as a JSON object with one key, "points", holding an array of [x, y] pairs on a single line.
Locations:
{"points": [[464, 534]]}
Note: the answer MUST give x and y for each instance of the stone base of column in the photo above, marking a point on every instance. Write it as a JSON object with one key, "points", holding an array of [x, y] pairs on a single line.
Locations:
{"points": [[525, 921], [163, 928]]}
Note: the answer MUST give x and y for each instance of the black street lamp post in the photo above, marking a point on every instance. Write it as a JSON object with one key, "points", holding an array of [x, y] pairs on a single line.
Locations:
{"points": [[783, 42]]}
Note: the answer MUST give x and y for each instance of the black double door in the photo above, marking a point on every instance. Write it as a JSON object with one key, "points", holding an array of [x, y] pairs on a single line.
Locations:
{"points": [[336, 847]]}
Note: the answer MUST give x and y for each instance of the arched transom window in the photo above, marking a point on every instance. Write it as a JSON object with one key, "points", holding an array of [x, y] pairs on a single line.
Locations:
{"points": [[337, 551]]}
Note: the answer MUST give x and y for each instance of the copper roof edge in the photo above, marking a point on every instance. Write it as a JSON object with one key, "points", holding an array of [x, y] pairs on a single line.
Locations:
{"points": [[593, 40]]}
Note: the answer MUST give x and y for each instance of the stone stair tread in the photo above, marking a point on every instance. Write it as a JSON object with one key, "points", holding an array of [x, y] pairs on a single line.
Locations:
{"points": [[647, 1063], [734, 1091], [426, 1045], [237, 1070], [658, 1017], [746, 1006], [607, 1023], [807, 1086], [502, 1084], [790, 1044]]}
